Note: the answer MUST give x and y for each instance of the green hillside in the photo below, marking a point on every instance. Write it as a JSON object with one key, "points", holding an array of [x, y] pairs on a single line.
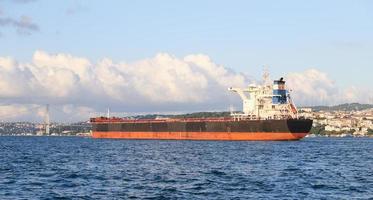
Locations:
{"points": [[343, 107], [187, 115]]}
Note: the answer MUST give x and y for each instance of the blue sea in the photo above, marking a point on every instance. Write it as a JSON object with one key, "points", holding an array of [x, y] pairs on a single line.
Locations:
{"points": [[85, 168]]}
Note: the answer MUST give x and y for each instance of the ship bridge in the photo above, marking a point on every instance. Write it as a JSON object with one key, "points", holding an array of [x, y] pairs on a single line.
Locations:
{"points": [[267, 101]]}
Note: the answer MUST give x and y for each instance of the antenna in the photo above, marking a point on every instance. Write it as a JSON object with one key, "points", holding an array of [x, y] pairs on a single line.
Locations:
{"points": [[231, 109], [46, 120], [108, 113], [266, 79]]}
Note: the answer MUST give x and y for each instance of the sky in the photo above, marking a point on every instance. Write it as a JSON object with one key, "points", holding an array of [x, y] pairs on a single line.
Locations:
{"points": [[82, 57]]}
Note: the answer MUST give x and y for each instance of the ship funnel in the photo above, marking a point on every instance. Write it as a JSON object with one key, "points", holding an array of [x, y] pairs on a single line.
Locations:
{"points": [[279, 92]]}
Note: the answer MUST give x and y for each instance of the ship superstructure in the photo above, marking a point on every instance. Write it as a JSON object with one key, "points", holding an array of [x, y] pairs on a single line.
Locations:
{"points": [[268, 114], [267, 101]]}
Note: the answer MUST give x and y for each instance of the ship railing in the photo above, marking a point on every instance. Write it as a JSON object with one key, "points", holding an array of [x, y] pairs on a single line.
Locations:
{"points": [[243, 116], [126, 120], [234, 117]]}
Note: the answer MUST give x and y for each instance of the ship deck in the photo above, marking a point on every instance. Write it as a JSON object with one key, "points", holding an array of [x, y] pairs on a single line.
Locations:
{"points": [[210, 119], [126, 120]]}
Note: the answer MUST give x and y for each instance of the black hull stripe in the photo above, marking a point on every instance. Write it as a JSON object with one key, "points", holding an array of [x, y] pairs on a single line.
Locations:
{"points": [[272, 126]]}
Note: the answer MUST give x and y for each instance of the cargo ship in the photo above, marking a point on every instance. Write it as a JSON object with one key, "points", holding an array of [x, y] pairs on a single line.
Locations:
{"points": [[268, 114]]}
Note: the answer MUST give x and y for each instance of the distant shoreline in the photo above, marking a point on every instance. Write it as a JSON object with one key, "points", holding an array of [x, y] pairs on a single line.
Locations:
{"points": [[85, 136]]}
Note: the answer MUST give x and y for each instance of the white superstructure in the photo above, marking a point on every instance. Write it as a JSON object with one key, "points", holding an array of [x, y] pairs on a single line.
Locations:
{"points": [[267, 101]]}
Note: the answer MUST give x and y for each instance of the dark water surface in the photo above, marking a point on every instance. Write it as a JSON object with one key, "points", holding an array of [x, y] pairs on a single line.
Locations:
{"points": [[84, 168]]}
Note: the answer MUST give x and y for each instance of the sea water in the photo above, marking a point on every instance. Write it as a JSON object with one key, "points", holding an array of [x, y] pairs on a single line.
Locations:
{"points": [[85, 168]]}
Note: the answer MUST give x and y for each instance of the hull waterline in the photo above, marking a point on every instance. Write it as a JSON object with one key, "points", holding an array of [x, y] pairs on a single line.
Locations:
{"points": [[238, 136]]}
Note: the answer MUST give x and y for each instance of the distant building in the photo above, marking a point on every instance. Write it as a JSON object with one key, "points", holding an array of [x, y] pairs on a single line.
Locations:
{"points": [[306, 110]]}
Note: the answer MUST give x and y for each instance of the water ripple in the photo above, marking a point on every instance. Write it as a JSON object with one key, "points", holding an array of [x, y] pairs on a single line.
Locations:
{"points": [[84, 168]]}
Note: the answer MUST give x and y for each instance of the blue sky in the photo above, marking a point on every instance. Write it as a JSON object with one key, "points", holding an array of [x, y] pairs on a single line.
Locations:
{"points": [[324, 44], [333, 36]]}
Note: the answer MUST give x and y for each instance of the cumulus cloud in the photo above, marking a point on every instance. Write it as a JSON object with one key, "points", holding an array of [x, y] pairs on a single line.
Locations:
{"points": [[15, 81], [77, 88], [11, 112], [313, 87]]}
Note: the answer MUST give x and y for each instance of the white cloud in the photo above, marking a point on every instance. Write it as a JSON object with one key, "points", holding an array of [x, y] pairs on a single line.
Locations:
{"points": [[161, 83], [313, 87], [15, 81], [11, 112], [76, 88]]}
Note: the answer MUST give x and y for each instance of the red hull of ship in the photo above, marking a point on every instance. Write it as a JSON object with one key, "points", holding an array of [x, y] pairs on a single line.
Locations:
{"points": [[234, 136]]}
